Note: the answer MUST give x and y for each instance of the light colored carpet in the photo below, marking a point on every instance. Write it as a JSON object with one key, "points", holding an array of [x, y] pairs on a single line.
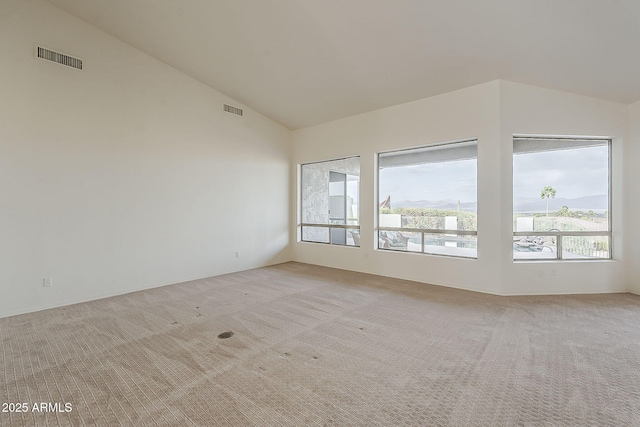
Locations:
{"points": [[324, 347]]}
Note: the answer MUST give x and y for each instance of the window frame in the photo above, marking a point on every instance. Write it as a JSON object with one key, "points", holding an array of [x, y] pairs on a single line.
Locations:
{"points": [[328, 225], [424, 231], [559, 235]]}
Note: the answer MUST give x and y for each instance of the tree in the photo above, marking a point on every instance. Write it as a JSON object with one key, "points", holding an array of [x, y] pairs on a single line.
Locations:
{"points": [[546, 193]]}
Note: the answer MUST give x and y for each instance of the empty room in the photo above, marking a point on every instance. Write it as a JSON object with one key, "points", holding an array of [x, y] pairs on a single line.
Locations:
{"points": [[323, 213]]}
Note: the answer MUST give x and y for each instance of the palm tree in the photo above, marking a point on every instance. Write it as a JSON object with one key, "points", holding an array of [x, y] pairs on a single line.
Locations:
{"points": [[546, 193]]}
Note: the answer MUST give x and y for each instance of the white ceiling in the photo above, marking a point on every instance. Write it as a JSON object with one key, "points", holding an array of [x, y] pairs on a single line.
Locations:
{"points": [[304, 62]]}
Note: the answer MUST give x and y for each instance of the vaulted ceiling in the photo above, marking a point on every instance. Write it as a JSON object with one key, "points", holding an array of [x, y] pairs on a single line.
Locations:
{"points": [[304, 62]]}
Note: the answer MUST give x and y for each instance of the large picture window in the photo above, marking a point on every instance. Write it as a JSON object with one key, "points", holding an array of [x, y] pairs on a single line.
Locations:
{"points": [[428, 199], [330, 202], [561, 202]]}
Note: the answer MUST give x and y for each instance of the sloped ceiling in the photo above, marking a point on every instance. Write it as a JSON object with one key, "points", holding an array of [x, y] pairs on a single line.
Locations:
{"points": [[305, 62]]}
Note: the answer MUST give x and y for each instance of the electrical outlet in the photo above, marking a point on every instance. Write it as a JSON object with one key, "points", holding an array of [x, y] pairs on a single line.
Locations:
{"points": [[237, 254], [47, 282], [553, 272]]}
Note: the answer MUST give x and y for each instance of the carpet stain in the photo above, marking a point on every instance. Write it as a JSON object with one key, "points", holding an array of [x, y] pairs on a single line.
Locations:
{"points": [[225, 335]]}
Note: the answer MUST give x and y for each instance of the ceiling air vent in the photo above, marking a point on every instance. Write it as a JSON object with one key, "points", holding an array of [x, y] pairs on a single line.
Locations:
{"points": [[233, 110], [58, 58]]}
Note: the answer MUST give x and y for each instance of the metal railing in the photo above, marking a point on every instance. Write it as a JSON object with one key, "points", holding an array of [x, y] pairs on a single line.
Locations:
{"points": [[562, 239], [582, 251], [448, 235]]}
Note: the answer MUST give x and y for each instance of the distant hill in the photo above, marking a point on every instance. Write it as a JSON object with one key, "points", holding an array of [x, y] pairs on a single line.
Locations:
{"points": [[436, 204], [598, 204]]}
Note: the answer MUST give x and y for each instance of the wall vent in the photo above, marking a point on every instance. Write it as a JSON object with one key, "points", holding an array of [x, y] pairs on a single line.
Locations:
{"points": [[233, 110], [58, 58]]}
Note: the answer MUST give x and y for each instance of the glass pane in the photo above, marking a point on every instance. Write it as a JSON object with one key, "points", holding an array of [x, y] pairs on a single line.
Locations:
{"points": [[432, 187], [576, 247], [323, 191], [337, 200], [353, 237], [452, 245], [560, 185], [535, 247], [353, 196], [339, 236], [315, 234]]}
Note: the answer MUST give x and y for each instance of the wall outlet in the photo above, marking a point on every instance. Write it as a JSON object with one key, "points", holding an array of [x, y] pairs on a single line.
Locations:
{"points": [[47, 282], [553, 272], [237, 254]]}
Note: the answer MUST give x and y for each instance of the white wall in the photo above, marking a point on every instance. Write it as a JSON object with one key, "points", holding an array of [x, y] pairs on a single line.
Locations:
{"points": [[125, 175], [493, 113], [632, 178]]}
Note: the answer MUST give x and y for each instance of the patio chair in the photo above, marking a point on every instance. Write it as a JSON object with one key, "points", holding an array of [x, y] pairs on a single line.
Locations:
{"points": [[393, 240]]}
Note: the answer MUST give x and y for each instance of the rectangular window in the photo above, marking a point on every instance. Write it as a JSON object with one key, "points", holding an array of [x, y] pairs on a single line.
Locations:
{"points": [[428, 199], [561, 198], [330, 202]]}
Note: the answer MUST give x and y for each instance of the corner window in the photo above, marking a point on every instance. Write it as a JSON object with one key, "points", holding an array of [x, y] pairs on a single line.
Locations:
{"points": [[330, 202], [561, 199], [428, 200]]}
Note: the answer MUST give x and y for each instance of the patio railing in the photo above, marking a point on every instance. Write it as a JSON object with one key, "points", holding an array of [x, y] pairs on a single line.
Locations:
{"points": [[563, 245]]}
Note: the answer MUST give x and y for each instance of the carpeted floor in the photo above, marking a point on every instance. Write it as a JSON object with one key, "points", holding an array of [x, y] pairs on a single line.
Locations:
{"points": [[324, 347]]}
